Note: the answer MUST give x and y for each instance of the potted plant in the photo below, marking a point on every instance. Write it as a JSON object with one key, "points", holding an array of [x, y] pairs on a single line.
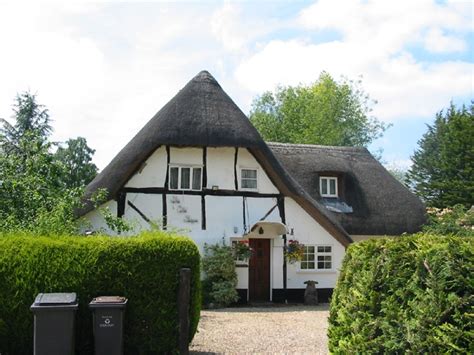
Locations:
{"points": [[294, 251]]}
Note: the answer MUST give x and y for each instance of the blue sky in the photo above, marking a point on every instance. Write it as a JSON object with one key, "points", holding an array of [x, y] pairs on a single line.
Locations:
{"points": [[104, 69]]}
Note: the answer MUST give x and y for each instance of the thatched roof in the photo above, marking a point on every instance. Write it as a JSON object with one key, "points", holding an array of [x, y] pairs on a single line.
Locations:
{"points": [[381, 205], [200, 115]]}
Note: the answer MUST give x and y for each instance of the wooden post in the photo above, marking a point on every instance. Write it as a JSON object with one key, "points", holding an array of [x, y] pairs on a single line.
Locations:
{"points": [[184, 294]]}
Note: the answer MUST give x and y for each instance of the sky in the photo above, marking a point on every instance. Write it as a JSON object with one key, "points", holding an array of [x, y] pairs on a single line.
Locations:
{"points": [[104, 69]]}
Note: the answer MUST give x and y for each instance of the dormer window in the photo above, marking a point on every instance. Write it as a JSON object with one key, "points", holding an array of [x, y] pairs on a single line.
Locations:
{"points": [[185, 178], [328, 186]]}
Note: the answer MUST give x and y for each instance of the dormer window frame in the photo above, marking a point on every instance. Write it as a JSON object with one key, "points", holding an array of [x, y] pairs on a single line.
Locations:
{"points": [[328, 180], [242, 178]]}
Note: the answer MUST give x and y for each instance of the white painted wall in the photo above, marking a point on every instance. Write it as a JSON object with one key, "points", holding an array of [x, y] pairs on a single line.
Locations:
{"points": [[152, 173], [220, 168], [224, 217], [309, 232]]}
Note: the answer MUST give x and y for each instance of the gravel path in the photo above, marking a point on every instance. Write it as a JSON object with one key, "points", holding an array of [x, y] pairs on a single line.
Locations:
{"points": [[262, 330]]}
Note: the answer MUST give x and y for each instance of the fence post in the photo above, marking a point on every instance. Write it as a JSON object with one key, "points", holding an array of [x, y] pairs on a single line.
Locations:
{"points": [[184, 294]]}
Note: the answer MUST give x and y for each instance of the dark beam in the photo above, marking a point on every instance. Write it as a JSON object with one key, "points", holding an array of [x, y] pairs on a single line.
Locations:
{"points": [[204, 192], [142, 215]]}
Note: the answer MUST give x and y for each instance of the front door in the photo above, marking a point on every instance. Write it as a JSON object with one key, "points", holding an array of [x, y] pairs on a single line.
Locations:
{"points": [[259, 270]]}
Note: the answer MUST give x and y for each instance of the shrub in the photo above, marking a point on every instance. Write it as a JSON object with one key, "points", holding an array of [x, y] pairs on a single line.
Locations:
{"points": [[144, 269], [407, 294], [220, 277], [455, 220]]}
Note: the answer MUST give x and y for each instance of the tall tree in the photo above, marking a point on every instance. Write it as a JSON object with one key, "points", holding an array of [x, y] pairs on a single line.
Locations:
{"points": [[443, 165], [327, 112], [31, 122], [37, 187], [76, 158]]}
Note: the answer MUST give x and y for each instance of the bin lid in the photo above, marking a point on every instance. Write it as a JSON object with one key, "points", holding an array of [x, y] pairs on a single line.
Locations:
{"points": [[49, 299], [108, 301]]}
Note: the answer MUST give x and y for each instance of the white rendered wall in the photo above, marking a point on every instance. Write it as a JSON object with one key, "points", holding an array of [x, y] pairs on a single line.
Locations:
{"points": [[309, 232], [246, 160], [224, 214], [95, 221], [152, 173], [220, 168]]}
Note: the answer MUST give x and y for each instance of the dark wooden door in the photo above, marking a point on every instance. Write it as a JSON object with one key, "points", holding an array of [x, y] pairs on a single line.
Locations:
{"points": [[259, 270]]}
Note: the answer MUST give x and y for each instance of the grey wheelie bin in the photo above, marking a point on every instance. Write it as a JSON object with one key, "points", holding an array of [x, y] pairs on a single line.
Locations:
{"points": [[54, 324], [108, 313]]}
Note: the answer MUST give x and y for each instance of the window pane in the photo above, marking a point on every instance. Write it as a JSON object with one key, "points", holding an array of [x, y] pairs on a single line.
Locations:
{"points": [[310, 250], [249, 174], [173, 178], [324, 186], [332, 187], [310, 257], [185, 175], [304, 265], [327, 249], [311, 265], [320, 249], [197, 179], [320, 265]]}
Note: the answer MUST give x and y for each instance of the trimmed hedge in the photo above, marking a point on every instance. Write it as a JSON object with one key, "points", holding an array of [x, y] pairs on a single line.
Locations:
{"points": [[410, 294], [145, 269]]}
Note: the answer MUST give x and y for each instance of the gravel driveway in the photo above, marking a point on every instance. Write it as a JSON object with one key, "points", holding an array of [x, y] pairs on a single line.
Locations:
{"points": [[273, 329]]}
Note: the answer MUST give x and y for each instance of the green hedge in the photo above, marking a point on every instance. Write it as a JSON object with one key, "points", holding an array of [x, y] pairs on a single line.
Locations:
{"points": [[144, 269], [408, 294]]}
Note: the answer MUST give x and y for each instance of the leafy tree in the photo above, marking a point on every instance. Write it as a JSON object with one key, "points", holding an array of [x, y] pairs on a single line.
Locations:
{"points": [[443, 165], [76, 158], [36, 194], [326, 112]]}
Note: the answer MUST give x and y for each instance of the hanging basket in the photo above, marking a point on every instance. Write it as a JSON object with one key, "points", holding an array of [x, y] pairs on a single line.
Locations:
{"points": [[294, 251]]}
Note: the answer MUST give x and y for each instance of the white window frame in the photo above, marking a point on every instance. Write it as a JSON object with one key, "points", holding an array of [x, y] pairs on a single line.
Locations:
{"points": [[240, 179], [180, 167], [316, 254], [328, 178]]}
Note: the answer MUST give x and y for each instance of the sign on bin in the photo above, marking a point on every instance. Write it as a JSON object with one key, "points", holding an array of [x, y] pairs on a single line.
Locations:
{"points": [[108, 324]]}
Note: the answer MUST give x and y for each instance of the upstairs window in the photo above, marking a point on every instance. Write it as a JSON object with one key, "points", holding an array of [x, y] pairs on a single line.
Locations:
{"points": [[317, 257], [185, 178], [248, 179], [328, 186]]}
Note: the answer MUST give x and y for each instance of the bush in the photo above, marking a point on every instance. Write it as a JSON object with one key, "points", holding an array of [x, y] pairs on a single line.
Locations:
{"points": [[407, 294], [220, 277], [452, 220], [144, 269]]}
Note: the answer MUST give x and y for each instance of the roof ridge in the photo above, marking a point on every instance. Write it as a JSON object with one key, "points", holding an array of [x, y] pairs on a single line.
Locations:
{"points": [[317, 146]]}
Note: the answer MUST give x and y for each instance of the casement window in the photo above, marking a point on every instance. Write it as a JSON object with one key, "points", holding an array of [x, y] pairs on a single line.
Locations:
{"points": [[248, 179], [328, 186], [317, 257], [185, 178]]}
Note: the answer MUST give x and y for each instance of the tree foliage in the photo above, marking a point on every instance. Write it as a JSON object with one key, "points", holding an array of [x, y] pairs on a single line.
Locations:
{"points": [[443, 165], [327, 113], [39, 189], [76, 158]]}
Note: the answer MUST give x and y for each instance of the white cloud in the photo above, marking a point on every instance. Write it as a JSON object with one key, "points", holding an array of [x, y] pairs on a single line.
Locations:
{"points": [[436, 41], [375, 43]]}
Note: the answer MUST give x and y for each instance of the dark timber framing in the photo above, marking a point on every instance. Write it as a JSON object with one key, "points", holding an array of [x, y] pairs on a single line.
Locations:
{"points": [[236, 180], [142, 215], [204, 186], [203, 192], [164, 209], [122, 196], [281, 209]]}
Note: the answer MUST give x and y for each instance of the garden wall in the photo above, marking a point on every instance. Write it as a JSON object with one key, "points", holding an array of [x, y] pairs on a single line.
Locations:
{"points": [[406, 294], [144, 269]]}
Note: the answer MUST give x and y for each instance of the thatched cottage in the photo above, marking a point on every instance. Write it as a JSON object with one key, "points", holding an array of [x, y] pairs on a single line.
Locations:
{"points": [[200, 165]]}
